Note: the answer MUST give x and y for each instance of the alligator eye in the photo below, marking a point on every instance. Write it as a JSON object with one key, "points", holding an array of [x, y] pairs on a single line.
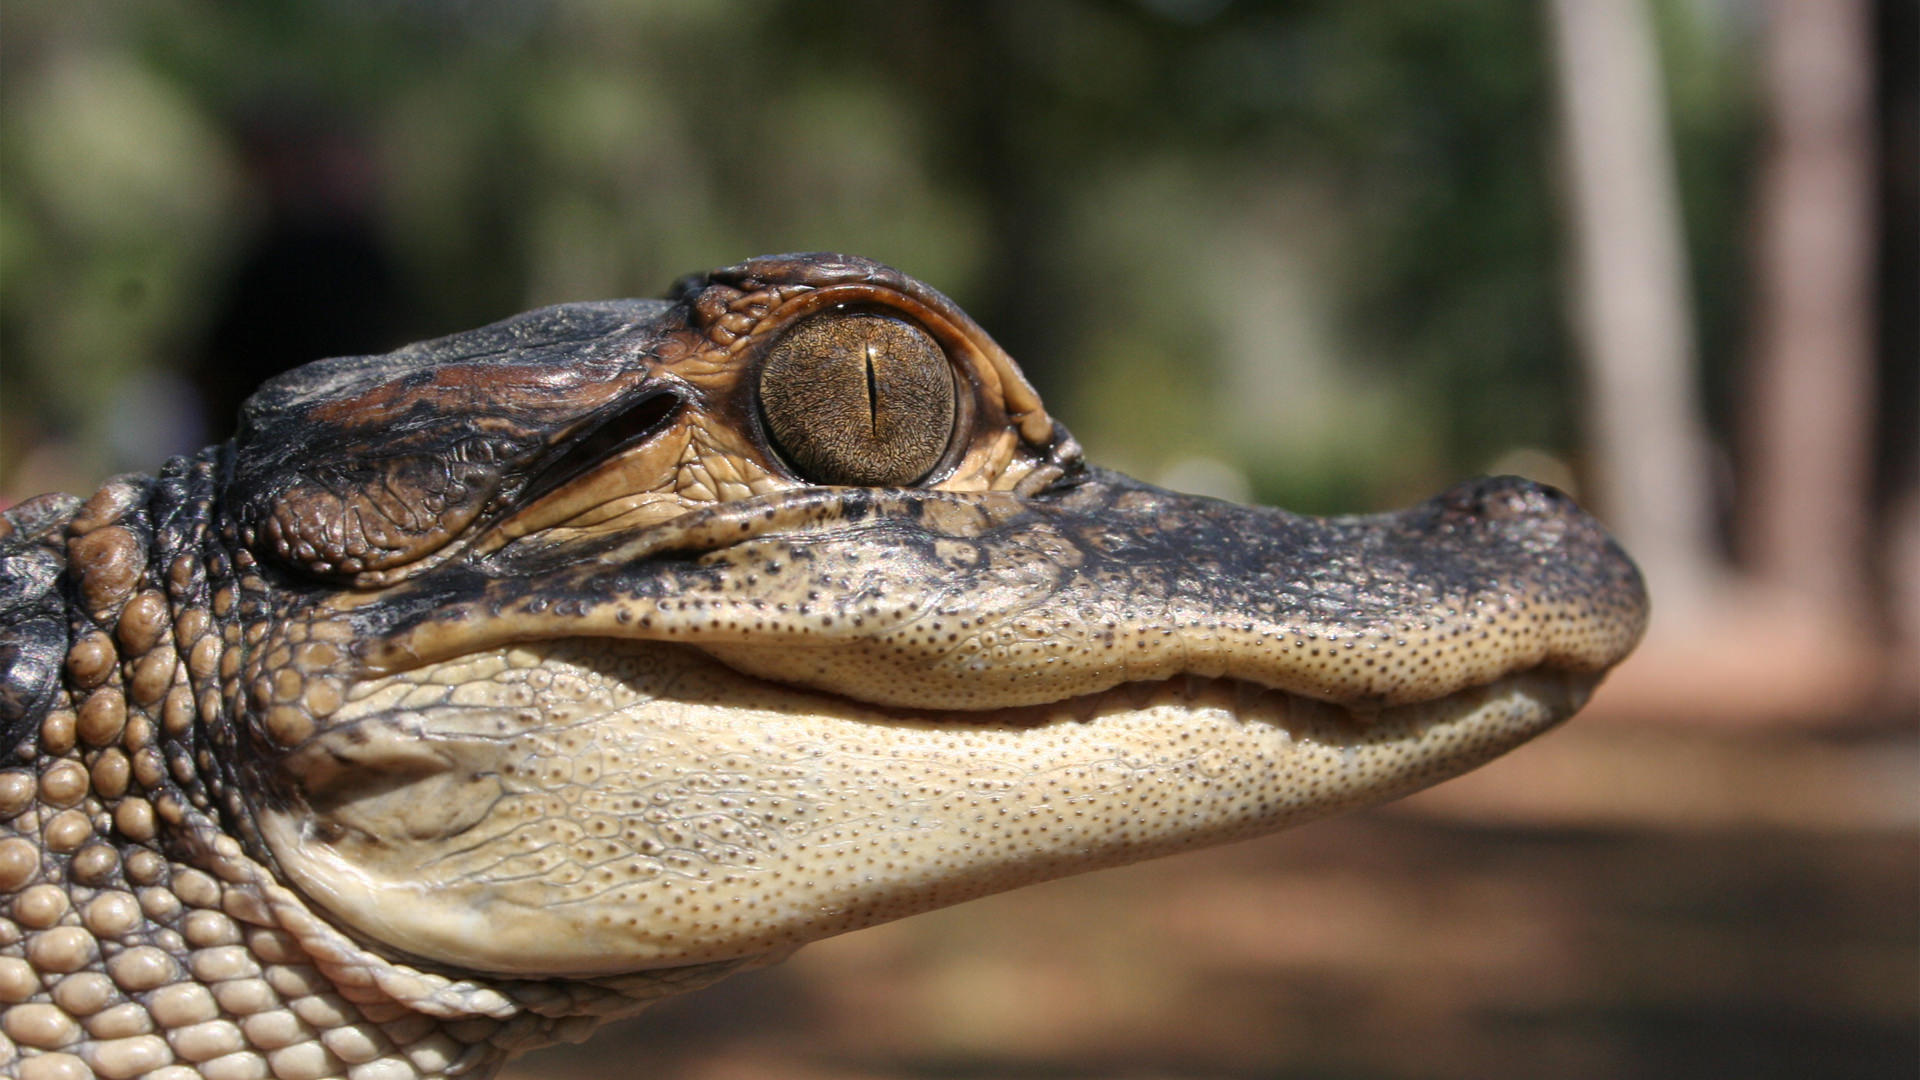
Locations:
{"points": [[858, 399]]}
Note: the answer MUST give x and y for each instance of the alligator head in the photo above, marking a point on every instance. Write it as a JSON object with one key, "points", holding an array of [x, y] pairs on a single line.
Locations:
{"points": [[620, 642]]}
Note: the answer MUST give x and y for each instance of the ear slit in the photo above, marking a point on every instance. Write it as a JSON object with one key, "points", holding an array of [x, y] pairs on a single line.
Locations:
{"points": [[631, 426]]}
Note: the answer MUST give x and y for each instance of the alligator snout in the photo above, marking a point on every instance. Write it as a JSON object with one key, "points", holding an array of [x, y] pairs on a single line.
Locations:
{"points": [[944, 600]]}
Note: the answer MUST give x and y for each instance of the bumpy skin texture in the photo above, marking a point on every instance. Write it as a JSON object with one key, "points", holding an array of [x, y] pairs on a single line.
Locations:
{"points": [[487, 689]]}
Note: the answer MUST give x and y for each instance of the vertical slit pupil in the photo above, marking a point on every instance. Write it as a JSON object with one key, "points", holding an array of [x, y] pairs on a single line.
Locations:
{"points": [[873, 390]]}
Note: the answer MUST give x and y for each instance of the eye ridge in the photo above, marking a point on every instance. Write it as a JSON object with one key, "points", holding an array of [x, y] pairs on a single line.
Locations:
{"points": [[858, 398]]}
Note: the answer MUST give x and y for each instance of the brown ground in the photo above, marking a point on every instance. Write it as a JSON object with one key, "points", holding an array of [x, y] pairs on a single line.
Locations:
{"points": [[1618, 900]]}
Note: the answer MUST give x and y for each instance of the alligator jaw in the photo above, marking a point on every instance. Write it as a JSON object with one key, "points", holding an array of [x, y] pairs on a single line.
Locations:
{"points": [[942, 600], [791, 717], [644, 807]]}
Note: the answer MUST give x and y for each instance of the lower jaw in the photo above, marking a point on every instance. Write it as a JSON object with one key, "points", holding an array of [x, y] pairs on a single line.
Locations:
{"points": [[713, 817]]}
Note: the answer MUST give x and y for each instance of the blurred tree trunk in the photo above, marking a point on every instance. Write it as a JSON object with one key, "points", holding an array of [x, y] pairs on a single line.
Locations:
{"points": [[1791, 642], [1809, 420], [1651, 458]]}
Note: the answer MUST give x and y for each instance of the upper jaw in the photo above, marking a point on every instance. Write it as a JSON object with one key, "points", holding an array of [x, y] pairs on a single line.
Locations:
{"points": [[995, 600]]}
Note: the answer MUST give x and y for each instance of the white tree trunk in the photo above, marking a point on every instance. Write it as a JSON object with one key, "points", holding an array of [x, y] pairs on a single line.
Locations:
{"points": [[1650, 463]]}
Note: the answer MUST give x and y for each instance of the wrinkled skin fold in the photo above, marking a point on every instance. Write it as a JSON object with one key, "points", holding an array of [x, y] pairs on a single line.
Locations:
{"points": [[522, 676]]}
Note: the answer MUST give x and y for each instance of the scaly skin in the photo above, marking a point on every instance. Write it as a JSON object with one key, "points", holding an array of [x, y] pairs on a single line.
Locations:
{"points": [[485, 690]]}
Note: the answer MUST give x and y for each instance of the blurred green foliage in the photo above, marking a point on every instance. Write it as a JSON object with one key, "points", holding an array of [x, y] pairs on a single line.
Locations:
{"points": [[1315, 244]]}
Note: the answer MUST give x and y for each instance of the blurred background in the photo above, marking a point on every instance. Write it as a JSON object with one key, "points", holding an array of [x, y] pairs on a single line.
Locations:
{"points": [[1328, 255]]}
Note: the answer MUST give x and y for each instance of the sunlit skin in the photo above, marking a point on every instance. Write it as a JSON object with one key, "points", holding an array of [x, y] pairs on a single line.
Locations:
{"points": [[485, 690]]}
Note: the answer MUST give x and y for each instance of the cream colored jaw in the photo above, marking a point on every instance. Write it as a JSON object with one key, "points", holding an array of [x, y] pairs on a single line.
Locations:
{"points": [[613, 806]]}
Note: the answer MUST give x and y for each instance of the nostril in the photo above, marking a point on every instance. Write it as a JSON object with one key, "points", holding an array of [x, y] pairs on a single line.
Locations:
{"points": [[1507, 498], [1532, 516], [1499, 498]]}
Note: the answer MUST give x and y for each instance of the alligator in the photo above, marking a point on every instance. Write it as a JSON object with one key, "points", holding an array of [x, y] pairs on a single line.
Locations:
{"points": [[479, 692]]}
